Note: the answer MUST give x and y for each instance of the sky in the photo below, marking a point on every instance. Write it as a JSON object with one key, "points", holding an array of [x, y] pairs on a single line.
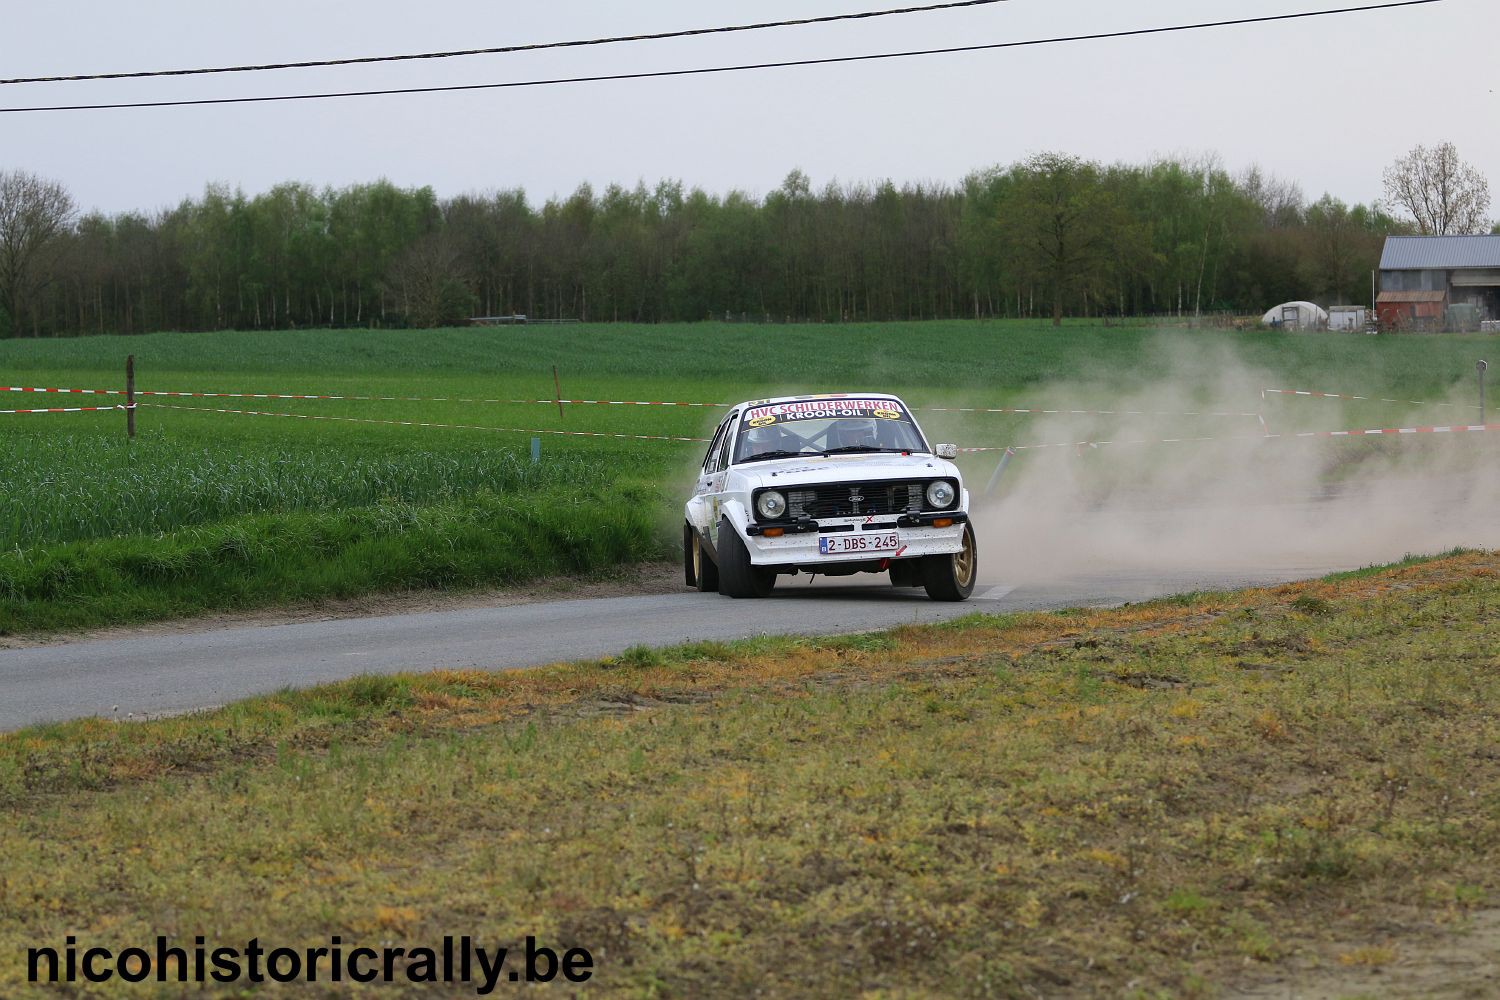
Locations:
{"points": [[1327, 102]]}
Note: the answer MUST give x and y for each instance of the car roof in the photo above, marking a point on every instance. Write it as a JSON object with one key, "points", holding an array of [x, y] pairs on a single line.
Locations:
{"points": [[816, 396]]}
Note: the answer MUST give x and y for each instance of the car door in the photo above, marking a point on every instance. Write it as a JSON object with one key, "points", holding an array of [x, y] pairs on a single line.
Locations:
{"points": [[719, 474], [706, 471]]}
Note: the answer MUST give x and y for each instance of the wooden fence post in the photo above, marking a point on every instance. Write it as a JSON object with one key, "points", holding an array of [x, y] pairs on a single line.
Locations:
{"points": [[556, 384], [130, 396]]}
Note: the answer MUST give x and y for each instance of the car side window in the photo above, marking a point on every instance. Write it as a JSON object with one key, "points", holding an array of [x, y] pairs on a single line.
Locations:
{"points": [[713, 448], [722, 462]]}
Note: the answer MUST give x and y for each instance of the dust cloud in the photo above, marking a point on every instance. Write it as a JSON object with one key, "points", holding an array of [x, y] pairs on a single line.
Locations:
{"points": [[1244, 506]]}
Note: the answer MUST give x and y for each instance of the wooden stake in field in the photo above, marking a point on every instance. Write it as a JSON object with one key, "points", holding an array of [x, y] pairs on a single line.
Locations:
{"points": [[557, 387], [130, 396]]}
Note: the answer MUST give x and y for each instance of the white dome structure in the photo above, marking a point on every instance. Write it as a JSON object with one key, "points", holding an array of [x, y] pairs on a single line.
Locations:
{"points": [[1296, 316]]}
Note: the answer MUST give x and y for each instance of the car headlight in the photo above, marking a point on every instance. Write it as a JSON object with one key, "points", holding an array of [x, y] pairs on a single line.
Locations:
{"points": [[941, 494], [770, 504]]}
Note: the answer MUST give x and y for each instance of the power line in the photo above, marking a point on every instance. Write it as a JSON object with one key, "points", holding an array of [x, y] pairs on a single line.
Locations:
{"points": [[505, 49], [700, 71]]}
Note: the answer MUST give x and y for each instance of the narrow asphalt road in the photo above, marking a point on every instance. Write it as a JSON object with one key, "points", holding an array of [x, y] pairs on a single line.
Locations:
{"points": [[163, 674], [1163, 543]]}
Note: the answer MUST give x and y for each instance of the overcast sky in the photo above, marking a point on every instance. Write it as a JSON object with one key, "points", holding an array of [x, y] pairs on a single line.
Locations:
{"points": [[1327, 102]]}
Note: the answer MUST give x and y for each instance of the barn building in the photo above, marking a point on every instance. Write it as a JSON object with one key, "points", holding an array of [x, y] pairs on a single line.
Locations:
{"points": [[1439, 282]]}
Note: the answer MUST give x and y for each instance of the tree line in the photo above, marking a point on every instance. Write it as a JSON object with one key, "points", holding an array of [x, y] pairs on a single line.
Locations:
{"points": [[1050, 236]]}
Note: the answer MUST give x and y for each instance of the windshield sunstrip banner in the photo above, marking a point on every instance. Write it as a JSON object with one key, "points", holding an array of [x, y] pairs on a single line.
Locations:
{"points": [[824, 409]]}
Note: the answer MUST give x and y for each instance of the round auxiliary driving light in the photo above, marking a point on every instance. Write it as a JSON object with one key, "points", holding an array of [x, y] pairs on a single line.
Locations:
{"points": [[940, 494], [771, 504]]}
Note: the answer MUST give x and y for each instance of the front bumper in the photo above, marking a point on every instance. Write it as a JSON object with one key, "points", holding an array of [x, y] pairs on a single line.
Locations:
{"points": [[798, 545]]}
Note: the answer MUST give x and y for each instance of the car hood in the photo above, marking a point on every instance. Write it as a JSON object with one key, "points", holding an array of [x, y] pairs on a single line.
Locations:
{"points": [[790, 472]]}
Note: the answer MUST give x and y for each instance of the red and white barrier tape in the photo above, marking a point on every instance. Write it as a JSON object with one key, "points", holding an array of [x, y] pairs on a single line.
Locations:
{"points": [[611, 402], [423, 423], [73, 409], [1368, 399], [1008, 410], [86, 392], [1078, 445], [376, 399], [1089, 413], [1371, 432]]}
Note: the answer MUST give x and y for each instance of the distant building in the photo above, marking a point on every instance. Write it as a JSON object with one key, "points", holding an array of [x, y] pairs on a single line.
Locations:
{"points": [[1438, 282], [1296, 316], [1348, 319]]}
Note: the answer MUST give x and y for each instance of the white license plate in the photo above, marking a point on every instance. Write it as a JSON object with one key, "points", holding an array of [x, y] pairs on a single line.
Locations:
{"points": [[869, 541]]}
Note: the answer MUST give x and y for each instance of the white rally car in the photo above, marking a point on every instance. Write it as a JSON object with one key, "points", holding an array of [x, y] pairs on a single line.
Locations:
{"points": [[831, 485]]}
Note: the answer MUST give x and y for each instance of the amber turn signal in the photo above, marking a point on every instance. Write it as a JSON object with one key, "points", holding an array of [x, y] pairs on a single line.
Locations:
{"points": [[943, 522], [774, 532]]}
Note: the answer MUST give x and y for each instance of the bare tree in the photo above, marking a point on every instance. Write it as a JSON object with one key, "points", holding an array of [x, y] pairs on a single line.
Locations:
{"points": [[1445, 195], [34, 213], [1281, 201]]}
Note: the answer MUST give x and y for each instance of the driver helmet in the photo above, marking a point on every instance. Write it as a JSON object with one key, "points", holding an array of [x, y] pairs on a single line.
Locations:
{"points": [[855, 433], [765, 439]]}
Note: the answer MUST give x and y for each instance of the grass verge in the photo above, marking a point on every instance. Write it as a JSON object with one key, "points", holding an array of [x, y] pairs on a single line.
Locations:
{"points": [[267, 559], [1165, 799]]}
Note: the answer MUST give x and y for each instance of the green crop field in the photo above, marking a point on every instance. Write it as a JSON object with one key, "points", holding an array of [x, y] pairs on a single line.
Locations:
{"points": [[209, 510]]}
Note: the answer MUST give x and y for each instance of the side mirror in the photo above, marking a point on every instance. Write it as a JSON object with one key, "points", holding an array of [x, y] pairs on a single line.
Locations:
{"points": [[949, 451]]}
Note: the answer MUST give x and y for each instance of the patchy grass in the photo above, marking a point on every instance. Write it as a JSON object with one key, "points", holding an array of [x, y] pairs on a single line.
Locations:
{"points": [[1161, 799]]}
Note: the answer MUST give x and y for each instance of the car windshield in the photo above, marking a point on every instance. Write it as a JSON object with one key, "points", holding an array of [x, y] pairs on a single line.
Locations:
{"points": [[824, 427]]}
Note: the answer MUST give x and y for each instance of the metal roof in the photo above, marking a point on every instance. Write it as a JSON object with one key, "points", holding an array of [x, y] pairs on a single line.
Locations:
{"points": [[1408, 297], [1439, 253]]}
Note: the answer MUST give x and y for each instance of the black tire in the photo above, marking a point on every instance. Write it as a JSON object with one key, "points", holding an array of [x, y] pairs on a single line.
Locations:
{"points": [[738, 577], [951, 578], [906, 573], [698, 570]]}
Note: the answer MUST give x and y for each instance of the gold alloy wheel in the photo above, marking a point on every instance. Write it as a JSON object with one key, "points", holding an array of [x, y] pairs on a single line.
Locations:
{"points": [[963, 562], [697, 560]]}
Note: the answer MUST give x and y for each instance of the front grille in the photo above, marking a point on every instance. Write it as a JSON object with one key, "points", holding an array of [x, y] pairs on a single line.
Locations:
{"points": [[856, 499]]}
